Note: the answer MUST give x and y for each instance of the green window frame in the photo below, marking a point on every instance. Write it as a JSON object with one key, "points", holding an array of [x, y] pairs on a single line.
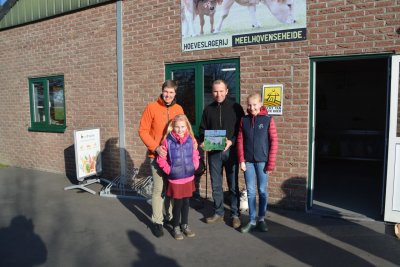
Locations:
{"points": [[195, 81], [47, 104]]}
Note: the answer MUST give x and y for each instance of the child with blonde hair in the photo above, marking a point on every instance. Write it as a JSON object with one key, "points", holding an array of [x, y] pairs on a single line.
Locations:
{"points": [[257, 145], [180, 164]]}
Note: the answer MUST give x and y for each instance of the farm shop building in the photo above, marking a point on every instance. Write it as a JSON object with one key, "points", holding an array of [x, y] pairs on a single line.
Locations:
{"points": [[332, 66]]}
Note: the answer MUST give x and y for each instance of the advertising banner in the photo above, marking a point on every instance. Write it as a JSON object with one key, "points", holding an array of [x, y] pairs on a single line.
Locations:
{"points": [[272, 95], [208, 24], [87, 153]]}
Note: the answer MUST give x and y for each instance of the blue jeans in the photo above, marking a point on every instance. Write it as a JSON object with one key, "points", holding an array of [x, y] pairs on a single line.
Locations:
{"points": [[217, 161], [256, 170]]}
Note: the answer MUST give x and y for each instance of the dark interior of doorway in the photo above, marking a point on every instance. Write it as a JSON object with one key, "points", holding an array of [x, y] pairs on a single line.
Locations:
{"points": [[351, 111]]}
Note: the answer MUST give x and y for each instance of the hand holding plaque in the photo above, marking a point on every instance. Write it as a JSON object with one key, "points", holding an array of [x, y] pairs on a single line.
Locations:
{"points": [[214, 140]]}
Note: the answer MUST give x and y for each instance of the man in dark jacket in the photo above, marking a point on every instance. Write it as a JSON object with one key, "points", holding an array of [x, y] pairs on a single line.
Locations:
{"points": [[223, 114]]}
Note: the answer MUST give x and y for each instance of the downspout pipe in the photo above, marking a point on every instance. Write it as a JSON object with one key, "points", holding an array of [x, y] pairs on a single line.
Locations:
{"points": [[120, 88]]}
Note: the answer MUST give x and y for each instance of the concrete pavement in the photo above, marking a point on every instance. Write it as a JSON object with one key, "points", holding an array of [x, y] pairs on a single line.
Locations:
{"points": [[43, 225]]}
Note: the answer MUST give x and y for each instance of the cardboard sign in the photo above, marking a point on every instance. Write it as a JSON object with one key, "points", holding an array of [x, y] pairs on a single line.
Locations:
{"points": [[87, 153], [214, 140]]}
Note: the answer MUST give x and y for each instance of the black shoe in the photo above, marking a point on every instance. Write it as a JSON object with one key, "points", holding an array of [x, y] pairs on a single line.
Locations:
{"points": [[167, 221], [247, 228], [158, 230], [262, 226]]}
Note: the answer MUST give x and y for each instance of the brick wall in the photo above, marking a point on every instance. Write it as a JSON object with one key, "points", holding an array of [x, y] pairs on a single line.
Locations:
{"points": [[82, 47], [152, 38]]}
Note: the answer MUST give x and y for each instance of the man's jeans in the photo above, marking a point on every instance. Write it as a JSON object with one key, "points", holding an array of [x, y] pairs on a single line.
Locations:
{"points": [[255, 170], [217, 161], [158, 203]]}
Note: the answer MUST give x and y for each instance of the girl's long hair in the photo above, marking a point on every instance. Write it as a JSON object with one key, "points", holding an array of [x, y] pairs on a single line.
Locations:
{"points": [[180, 117]]}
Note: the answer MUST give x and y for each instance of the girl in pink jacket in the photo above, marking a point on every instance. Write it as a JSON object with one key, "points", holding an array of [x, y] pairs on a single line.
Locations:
{"points": [[180, 164]]}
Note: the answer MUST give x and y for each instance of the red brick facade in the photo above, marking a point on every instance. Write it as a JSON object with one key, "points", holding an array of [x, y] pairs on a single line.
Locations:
{"points": [[81, 46]]}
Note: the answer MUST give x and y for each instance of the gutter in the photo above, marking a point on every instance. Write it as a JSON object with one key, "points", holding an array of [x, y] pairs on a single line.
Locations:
{"points": [[120, 87]]}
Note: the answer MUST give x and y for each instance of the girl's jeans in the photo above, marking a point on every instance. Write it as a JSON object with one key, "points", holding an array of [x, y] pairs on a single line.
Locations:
{"points": [[255, 171]]}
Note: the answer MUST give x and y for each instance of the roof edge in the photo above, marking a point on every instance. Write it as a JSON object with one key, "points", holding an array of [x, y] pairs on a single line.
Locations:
{"points": [[6, 7]]}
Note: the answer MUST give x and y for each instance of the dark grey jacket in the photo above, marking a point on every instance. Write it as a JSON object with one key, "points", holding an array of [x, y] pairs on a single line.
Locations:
{"points": [[222, 116]]}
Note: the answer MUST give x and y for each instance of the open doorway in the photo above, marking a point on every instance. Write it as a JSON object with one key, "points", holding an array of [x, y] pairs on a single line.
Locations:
{"points": [[350, 129]]}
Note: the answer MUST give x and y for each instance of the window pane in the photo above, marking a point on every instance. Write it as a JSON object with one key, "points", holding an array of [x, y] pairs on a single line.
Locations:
{"points": [[38, 102], [186, 92], [224, 71], [56, 101]]}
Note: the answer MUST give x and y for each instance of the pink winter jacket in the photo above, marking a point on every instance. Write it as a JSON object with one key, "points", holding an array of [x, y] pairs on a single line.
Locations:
{"points": [[166, 166]]}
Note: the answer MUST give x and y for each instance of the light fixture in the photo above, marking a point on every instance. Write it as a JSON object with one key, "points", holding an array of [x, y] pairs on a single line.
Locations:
{"points": [[228, 69]]}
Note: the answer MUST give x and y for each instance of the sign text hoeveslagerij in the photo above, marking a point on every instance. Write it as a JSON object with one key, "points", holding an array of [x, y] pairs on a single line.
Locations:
{"points": [[241, 22]]}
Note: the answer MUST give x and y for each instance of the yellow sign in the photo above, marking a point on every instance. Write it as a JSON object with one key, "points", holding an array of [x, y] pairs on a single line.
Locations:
{"points": [[272, 98]]}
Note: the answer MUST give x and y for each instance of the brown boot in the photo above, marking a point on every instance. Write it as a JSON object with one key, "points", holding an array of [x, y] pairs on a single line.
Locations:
{"points": [[236, 222], [215, 218]]}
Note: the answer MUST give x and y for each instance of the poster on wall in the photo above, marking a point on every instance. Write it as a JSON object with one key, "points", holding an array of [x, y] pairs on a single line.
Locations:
{"points": [[87, 153], [208, 24], [272, 98]]}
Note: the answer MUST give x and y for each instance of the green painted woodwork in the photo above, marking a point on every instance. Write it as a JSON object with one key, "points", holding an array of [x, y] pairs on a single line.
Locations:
{"points": [[47, 125], [26, 11], [198, 68]]}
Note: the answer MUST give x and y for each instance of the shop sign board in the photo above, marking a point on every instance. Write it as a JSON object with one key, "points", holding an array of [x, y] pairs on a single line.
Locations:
{"points": [[230, 23]]}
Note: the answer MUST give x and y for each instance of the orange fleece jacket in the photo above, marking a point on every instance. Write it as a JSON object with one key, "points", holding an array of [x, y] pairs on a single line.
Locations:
{"points": [[154, 123]]}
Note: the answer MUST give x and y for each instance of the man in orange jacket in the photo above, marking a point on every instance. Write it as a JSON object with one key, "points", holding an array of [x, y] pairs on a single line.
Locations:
{"points": [[152, 128]]}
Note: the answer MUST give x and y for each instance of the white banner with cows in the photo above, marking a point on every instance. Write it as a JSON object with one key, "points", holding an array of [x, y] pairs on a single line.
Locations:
{"points": [[208, 24]]}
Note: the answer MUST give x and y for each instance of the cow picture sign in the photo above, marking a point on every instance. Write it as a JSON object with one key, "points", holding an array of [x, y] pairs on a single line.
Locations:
{"points": [[208, 24], [214, 140]]}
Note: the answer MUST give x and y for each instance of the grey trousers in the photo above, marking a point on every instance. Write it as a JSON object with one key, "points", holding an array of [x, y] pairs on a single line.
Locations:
{"points": [[160, 203]]}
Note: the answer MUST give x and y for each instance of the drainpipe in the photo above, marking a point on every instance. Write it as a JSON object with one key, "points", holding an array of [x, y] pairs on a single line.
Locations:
{"points": [[120, 85]]}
